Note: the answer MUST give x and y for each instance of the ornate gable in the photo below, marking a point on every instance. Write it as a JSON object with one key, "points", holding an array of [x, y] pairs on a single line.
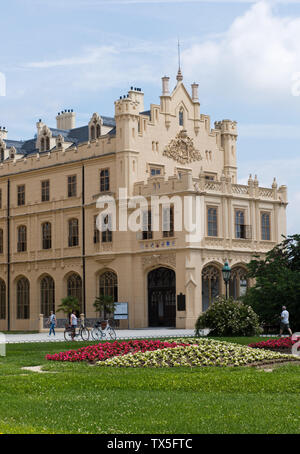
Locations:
{"points": [[182, 149]]}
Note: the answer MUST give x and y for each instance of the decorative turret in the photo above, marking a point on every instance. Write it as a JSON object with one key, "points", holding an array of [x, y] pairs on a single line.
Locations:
{"points": [[229, 134]]}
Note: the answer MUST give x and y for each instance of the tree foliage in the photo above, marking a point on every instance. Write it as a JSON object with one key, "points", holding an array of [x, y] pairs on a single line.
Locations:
{"points": [[277, 282]]}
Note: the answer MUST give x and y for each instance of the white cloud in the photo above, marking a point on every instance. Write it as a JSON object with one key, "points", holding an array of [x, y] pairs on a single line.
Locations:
{"points": [[256, 57], [89, 56]]}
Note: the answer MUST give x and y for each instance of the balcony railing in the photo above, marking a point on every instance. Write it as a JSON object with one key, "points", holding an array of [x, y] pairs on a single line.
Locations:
{"points": [[243, 231]]}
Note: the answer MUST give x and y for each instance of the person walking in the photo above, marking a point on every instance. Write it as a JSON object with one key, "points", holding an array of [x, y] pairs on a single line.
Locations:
{"points": [[284, 321], [73, 323], [52, 322]]}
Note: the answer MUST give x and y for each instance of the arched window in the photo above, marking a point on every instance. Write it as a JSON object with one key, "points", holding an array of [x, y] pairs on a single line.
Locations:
{"points": [[108, 284], [2, 300], [98, 129], [181, 117], [210, 285], [46, 235], [47, 295], [92, 132], [47, 143], [23, 299], [42, 144], [238, 282], [22, 239], [74, 288], [1, 154], [1, 241], [73, 233]]}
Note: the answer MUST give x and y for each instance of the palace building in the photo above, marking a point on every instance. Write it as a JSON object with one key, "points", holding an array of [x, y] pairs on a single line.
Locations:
{"points": [[50, 246]]}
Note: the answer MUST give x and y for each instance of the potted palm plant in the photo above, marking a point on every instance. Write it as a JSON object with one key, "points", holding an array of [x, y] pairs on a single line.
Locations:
{"points": [[68, 305], [104, 304]]}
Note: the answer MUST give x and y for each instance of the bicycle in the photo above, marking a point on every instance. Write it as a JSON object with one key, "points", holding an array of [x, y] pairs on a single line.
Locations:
{"points": [[103, 330], [70, 333]]}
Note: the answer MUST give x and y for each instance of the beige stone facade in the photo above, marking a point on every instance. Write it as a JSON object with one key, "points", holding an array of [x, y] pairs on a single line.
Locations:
{"points": [[49, 189]]}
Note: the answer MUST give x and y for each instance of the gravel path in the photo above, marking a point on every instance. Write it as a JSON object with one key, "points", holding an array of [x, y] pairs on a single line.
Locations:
{"points": [[121, 334]]}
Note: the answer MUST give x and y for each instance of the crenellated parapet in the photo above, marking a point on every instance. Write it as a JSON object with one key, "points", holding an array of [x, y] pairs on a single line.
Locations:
{"points": [[159, 185]]}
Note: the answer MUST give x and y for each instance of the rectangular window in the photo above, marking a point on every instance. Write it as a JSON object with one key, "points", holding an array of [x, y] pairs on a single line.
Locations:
{"points": [[147, 228], [96, 231], [168, 221], [46, 234], [265, 226], [0, 198], [22, 239], [106, 235], [240, 228], [104, 180], [73, 233], [72, 186], [155, 171], [21, 195], [212, 221], [45, 191]]}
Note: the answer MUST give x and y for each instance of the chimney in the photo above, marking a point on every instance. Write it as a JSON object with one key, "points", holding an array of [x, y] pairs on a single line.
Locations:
{"points": [[65, 119], [165, 86], [3, 133], [195, 92]]}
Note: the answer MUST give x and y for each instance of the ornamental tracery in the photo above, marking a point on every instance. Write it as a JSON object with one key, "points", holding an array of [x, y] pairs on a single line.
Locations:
{"points": [[210, 272]]}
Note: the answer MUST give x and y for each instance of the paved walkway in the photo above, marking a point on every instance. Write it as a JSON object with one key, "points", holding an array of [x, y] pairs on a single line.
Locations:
{"points": [[121, 334]]}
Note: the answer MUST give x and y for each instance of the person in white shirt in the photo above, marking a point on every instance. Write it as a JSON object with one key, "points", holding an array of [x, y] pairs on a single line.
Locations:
{"points": [[284, 321], [73, 322]]}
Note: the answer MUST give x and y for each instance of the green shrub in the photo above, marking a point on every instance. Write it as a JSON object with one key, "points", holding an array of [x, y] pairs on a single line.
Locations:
{"points": [[229, 318]]}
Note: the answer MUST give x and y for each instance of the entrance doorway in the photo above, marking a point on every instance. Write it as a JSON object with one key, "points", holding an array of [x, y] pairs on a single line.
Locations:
{"points": [[162, 297]]}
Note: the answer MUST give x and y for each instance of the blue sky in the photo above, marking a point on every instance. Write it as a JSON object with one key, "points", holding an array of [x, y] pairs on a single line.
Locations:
{"points": [[84, 54]]}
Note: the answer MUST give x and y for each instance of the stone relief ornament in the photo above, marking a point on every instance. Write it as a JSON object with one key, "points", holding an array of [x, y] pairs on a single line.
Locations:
{"points": [[156, 259], [182, 149]]}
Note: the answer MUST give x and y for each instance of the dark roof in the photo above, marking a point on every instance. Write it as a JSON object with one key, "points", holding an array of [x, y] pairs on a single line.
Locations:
{"points": [[146, 112], [73, 136], [112, 132], [14, 143], [80, 135], [108, 121]]}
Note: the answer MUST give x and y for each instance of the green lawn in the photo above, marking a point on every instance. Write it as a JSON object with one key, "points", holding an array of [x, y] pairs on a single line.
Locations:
{"points": [[79, 398]]}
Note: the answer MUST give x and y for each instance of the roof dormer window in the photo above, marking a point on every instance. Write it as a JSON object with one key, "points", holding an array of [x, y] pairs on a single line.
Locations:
{"points": [[95, 127]]}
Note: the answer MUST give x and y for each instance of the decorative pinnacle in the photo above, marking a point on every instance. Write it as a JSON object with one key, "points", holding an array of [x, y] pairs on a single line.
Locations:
{"points": [[179, 76]]}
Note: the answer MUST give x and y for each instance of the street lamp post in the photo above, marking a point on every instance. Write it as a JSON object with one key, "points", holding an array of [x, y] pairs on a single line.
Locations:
{"points": [[226, 271]]}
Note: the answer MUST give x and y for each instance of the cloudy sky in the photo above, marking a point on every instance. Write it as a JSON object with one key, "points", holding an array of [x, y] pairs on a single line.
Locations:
{"points": [[84, 54]]}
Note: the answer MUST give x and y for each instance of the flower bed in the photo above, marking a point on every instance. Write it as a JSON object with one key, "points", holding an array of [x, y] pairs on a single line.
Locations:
{"points": [[101, 352], [283, 344], [201, 352]]}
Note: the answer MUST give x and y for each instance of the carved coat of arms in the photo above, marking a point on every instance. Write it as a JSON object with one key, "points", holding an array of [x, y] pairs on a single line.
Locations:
{"points": [[182, 149]]}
